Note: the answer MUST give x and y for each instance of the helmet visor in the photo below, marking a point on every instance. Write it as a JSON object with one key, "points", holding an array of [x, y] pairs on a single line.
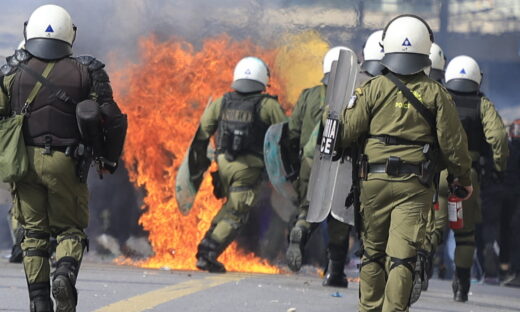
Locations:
{"points": [[406, 63], [48, 49], [247, 86], [373, 67], [462, 85], [437, 75]]}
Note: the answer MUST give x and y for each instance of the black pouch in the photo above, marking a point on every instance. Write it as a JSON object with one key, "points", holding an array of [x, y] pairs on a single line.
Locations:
{"points": [[393, 164], [428, 172], [363, 167], [217, 185], [428, 167]]}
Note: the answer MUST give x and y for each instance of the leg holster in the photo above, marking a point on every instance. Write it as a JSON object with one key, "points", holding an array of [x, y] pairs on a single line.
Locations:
{"points": [[40, 297]]}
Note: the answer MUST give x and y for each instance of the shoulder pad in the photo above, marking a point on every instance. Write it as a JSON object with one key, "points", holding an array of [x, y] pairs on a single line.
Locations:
{"points": [[7, 69], [21, 55], [91, 62], [12, 61]]}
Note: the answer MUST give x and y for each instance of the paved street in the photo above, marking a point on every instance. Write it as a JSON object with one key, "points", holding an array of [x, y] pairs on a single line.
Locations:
{"points": [[108, 287]]}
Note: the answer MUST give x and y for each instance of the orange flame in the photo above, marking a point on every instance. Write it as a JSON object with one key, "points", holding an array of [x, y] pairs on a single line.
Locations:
{"points": [[164, 97]]}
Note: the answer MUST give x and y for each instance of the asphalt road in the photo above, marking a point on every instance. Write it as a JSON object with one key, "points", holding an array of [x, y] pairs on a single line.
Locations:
{"points": [[108, 287]]}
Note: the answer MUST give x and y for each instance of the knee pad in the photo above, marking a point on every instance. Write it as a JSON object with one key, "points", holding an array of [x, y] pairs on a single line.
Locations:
{"points": [[465, 238], [408, 263], [77, 237], [378, 258], [40, 247]]}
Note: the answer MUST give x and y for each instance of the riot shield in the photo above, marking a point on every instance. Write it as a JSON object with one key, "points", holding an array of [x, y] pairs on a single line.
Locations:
{"points": [[279, 165], [190, 174], [331, 174]]}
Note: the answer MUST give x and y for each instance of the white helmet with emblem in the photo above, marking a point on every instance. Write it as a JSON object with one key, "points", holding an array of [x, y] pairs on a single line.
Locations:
{"points": [[463, 74], [407, 40], [438, 62], [49, 32], [251, 75], [331, 56], [373, 53]]}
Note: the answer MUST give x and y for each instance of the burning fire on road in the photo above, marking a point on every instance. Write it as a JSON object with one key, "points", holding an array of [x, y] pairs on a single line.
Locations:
{"points": [[164, 95]]}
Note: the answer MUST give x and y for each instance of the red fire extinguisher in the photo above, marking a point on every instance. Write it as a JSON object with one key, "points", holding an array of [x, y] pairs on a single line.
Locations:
{"points": [[455, 196]]}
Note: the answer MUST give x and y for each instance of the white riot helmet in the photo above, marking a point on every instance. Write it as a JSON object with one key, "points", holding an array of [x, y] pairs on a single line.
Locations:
{"points": [[251, 75], [331, 56], [373, 53], [407, 40], [463, 74], [438, 62], [49, 33]]}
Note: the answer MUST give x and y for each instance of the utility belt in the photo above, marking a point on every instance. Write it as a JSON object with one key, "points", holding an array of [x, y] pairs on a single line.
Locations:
{"points": [[395, 167], [49, 149], [232, 156], [80, 152]]}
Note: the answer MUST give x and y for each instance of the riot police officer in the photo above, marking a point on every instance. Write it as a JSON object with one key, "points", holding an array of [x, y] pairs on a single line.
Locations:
{"points": [[240, 120], [482, 125], [46, 84], [404, 121], [372, 55], [306, 115], [436, 220]]}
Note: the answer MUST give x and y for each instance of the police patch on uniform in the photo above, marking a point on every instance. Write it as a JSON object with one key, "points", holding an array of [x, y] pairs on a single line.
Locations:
{"points": [[352, 101]]}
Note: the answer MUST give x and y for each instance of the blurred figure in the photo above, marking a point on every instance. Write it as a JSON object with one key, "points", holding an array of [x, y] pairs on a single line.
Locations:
{"points": [[501, 211], [483, 126], [306, 115], [436, 221]]}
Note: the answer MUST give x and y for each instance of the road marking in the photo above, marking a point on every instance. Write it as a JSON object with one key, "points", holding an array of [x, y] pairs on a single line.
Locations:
{"points": [[154, 298]]}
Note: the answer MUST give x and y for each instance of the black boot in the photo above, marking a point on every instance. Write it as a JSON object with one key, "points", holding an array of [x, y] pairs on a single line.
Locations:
{"points": [[461, 284], [294, 254], [335, 274], [207, 254], [40, 297], [64, 284]]}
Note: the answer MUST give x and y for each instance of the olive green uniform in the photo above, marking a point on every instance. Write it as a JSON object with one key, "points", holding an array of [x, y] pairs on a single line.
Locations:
{"points": [[496, 137], [50, 199], [306, 115], [240, 178], [394, 208]]}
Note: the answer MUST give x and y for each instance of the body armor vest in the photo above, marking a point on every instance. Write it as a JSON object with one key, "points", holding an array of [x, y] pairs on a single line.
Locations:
{"points": [[240, 129], [468, 107], [51, 121]]}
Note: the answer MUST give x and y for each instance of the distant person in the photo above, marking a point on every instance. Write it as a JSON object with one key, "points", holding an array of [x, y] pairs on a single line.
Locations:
{"points": [[482, 125], [240, 120], [501, 214]]}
